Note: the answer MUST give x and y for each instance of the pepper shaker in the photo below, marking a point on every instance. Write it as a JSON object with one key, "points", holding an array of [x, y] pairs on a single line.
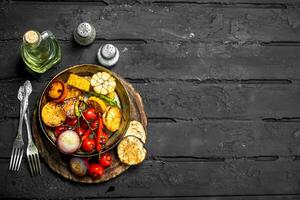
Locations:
{"points": [[85, 33], [108, 55]]}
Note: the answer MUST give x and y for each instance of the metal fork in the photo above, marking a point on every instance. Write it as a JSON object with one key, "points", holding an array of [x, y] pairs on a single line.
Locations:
{"points": [[17, 150], [32, 152]]}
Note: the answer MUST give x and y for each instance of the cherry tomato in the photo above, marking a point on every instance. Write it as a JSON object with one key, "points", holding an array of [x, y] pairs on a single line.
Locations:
{"points": [[94, 124], [72, 121], [90, 114], [95, 170], [59, 129], [105, 160], [103, 138], [88, 145], [80, 131]]}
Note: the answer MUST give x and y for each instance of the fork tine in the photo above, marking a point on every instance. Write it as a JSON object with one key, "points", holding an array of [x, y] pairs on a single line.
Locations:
{"points": [[30, 165], [17, 152], [39, 164], [12, 157], [35, 163], [20, 159]]}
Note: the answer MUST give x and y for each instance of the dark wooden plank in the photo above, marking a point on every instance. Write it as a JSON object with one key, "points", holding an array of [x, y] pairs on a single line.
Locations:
{"points": [[182, 100], [157, 179], [223, 139], [241, 3], [193, 101], [175, 60], [212, 197], [154, 22], [249, 3], [204, 140]]}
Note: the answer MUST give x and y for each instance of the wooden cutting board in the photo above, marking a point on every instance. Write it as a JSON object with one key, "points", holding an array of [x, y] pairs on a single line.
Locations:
{"points": [[60, 163]]}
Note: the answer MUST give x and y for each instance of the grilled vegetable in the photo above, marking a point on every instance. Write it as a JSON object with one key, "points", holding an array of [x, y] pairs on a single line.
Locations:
{"points": [[108, 100], [53, 115], [99, 133], [57, 91], [68, 142], [69, 107], [86, 134], [131, 151], [136, 129], [73, 92], [96, 103], [112, 95], [112, 118], [79, 106], [78, 166], [103, 83], [79, 82]]}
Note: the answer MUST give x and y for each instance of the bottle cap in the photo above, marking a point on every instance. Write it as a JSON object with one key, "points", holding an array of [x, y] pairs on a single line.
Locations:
{"points": [[108, 55], [85, 34], [31, 37]]}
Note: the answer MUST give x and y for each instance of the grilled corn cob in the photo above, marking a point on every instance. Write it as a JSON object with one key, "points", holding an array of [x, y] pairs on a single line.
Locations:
{"points": [[79, 82]]}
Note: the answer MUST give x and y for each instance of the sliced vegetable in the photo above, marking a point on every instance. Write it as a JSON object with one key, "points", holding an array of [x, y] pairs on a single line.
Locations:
{"points": [[96, 103], [69, 107], [57, 91], [79, 82], [78, 166], [68, 142], [135, 128], [103, 83], [53, 115], [131, 151], [112, 118], [73, 92]]}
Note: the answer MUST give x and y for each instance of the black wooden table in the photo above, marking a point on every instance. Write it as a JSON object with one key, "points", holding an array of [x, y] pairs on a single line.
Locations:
{"points": [[220, 83]]}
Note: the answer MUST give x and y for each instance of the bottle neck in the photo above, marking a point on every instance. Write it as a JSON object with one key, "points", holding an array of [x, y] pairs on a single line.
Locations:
{"points": [[32, 39]]}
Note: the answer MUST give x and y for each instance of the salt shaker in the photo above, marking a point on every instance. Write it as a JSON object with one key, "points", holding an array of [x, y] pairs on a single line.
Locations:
{"points": [[85, 34], [108, 55]]}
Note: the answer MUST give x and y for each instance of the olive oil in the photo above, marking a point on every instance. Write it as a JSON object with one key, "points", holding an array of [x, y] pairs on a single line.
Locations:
{"points": [[40, 51]]}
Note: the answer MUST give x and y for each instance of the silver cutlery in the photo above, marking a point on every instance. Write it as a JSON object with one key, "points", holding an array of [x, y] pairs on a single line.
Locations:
{"points": [[17, 150], [32, 152]]}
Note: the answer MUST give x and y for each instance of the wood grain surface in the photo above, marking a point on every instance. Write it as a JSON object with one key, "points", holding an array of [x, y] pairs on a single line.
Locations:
{"points": [[220, 84]]}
